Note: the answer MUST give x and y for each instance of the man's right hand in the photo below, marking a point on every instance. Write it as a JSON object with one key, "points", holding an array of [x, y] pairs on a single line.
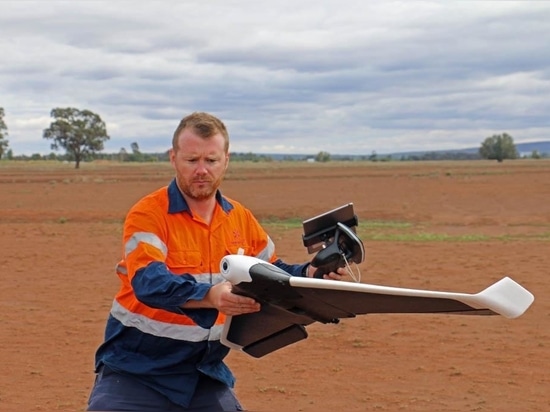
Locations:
{"points": [[220, 297]]}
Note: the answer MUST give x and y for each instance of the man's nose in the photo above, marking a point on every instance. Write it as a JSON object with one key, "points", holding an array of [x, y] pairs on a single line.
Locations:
{"points": [[202, 167]]}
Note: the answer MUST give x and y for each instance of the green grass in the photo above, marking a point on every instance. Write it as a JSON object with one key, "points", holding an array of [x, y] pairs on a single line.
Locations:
{"points": [[423, 237], [381, 224], [400, 231], [278, 223]]}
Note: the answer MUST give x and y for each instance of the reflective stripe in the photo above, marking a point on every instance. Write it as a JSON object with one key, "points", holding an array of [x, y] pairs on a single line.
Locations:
{"points": [[121, 270], [213, 278], [268, 251], [163, 329], [145, 237]]}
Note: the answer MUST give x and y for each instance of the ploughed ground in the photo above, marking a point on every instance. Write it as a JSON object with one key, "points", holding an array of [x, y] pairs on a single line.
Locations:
{"points": [[454, 226]]}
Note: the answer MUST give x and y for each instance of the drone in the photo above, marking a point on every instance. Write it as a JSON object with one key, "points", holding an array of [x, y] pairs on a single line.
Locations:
{"points": [[290, 303]]}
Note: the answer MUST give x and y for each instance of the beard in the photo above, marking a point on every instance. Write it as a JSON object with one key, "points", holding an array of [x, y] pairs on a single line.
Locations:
{"points": [[199, 188]]}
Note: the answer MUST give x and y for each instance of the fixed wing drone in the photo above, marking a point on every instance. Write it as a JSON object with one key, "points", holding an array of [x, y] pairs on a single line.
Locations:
{"points": [[290, 303]]}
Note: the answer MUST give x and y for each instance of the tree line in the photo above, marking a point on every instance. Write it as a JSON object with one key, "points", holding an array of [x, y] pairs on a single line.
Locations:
{"points": [[81, 134]]}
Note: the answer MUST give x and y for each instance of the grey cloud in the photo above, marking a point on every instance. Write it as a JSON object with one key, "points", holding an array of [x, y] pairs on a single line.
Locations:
{"points": [[286, 75]]}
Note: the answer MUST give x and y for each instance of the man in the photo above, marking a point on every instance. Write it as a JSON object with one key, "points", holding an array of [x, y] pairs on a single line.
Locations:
{"points": [[162, 349]]}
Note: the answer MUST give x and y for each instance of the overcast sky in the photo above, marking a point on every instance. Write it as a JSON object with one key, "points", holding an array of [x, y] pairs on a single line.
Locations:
{"points": [[286, 76]]}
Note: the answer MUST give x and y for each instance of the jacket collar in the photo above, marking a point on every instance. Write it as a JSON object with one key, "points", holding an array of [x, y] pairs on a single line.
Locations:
{"points": [[177, 203]]}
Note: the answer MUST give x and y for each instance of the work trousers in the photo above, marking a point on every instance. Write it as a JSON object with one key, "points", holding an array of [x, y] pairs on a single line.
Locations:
{"points": [[116, 392]]}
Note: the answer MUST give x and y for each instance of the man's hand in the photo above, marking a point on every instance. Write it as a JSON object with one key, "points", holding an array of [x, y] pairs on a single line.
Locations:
{"points": [[338, 275], [220, 297]]}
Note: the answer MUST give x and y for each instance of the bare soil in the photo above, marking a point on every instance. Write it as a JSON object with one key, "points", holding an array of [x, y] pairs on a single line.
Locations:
{"points": [[457, 226]]}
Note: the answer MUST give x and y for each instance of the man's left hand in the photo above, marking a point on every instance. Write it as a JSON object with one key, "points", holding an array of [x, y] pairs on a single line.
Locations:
{"points": [[338, 275]]}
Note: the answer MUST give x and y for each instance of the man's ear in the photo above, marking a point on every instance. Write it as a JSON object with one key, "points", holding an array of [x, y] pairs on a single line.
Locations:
{"points": [[171, 155]]}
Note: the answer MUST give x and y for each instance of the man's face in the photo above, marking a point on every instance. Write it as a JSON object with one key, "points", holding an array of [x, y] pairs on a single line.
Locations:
{"points": [[200, 164]]}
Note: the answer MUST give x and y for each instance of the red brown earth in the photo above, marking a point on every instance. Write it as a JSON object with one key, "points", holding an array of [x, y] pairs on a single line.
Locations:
{"points": [[457, 226]]}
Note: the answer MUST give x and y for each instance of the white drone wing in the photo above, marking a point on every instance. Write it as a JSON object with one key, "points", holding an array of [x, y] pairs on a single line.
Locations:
{"points": [[290, 303]]}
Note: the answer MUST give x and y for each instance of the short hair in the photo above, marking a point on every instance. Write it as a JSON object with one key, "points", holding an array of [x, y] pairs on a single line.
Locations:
{"points": [[203, 124]]}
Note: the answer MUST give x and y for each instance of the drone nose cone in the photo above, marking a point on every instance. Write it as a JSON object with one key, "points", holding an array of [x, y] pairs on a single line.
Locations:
{"points": [[236, 268]]}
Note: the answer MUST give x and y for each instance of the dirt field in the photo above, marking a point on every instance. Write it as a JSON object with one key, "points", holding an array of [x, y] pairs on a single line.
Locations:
{"points": [[448, 226]]}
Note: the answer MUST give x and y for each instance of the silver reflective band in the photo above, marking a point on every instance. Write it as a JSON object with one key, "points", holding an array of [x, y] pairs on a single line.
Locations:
{"points": [[145, 237], [121, 270], [268, 251], [191, 333]]}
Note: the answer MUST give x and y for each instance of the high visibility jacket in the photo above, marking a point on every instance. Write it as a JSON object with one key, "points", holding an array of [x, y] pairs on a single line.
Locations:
{"points": [[170, 257]]}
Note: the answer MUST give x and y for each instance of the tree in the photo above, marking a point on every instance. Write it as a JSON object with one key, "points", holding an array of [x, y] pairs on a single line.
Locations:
{"points": [[80, 133], [498, 147], [3, 133], [322, 157], [136, 156], [373, 157], [122, 154]]}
